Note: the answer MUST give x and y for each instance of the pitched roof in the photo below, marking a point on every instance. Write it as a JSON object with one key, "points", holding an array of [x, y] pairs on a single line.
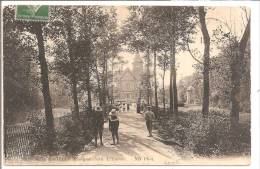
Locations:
{"points": [[127, 70]]}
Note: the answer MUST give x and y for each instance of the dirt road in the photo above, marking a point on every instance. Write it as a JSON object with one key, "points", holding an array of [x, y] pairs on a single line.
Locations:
{"points": [[135, 147]]}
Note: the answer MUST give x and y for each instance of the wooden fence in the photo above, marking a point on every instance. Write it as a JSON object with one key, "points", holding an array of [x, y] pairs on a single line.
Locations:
{"points": [[17, 141]]}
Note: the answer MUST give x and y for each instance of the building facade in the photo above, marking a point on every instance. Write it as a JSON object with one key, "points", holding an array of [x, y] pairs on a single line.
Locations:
{"points": [[127, 85]]}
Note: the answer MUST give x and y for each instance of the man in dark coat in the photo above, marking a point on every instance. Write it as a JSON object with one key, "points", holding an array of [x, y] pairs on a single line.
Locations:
{"points": [[98, 121], [149, 117]]}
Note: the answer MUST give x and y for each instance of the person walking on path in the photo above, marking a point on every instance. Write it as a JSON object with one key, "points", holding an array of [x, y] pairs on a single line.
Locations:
{"points": [[98, 121], [113, 125], [149, 116]]}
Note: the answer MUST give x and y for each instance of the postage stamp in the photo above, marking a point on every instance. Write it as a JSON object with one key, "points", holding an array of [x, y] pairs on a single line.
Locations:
{"points": [[32, 12], [118, 84]]}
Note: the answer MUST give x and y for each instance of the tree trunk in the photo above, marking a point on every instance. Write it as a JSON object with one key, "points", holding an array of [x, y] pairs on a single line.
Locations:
{"points": [[155, 86], [106, 80], [103, 96], [236, 75], [89, 100], [171, 85], [45, 87], [235, 92], [163, 90], [112, 94], [73, 74], [75, 97], [89, 89], [174, 85], [87, 29], [98, 83], [175, 92], [148, 77], [112, 81], [206, 39]]}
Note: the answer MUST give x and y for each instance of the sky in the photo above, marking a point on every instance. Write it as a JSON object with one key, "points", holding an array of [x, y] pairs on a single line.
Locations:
{"points": [[234, 17]]}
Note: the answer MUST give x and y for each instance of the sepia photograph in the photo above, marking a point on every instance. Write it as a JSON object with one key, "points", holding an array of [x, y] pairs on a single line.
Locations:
{"points": [[126, 85]]}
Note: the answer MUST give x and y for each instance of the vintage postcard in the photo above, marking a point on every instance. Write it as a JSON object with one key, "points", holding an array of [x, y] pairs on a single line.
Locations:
{"points": [[126, 84]]}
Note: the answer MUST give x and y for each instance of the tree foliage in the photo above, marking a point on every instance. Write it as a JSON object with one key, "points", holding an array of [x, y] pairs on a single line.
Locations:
{"points": [[20, 71]]}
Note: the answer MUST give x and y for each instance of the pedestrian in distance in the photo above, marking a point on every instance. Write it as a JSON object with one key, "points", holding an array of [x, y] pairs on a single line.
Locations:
{"points": [[98, 121], [113, 125], [149, 117], [138, 108]]}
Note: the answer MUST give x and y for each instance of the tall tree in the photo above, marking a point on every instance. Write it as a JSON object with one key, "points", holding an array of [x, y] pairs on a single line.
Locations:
{"points": [[177, 24], [83, 54], [37, 29], [147, 77], [97, 74], [89, 20], [205, 63], [71, 54], [234, 49], [164, 65], [155, 85], [89, 27], [236, 75], [62, 33], [151, 27], [108, 46], [206, 41]]}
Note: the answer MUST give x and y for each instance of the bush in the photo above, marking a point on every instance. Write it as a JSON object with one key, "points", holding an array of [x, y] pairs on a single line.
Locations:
{"points": [[38, 132], [87, 125], [207, 136], [71, 137]]}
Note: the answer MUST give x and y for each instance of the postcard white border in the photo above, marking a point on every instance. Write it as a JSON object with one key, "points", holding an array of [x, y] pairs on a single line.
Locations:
{"points": [[255, 85]]}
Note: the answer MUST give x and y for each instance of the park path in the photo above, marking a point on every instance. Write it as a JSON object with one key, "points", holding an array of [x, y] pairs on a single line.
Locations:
{"points": [[135, 147]]}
